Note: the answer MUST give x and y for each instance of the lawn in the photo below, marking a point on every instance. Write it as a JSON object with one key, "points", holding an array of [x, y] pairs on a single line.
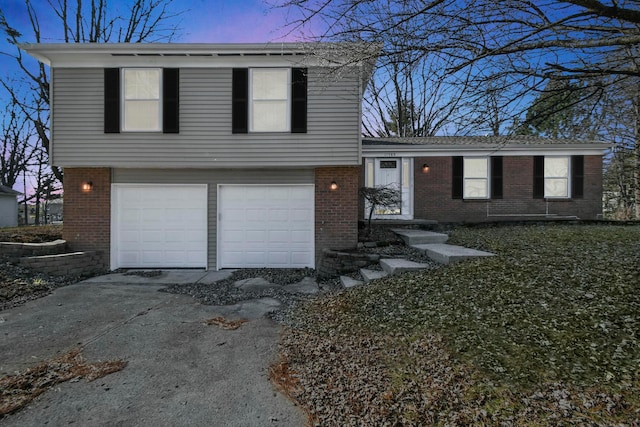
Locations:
{"points": [[545, 333]]}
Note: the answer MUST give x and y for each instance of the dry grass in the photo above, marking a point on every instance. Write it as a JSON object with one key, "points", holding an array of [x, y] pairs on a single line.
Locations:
{"points": [[16, 391], [545, 333], [31, 234]]}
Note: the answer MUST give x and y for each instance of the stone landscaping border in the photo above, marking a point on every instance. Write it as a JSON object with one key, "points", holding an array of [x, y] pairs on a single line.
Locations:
{"points": [[67, 264], [18, 250]]}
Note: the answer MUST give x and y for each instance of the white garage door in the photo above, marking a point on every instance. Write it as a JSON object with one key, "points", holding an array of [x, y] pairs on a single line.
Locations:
{"points": [[159, 226], [265, 226]]}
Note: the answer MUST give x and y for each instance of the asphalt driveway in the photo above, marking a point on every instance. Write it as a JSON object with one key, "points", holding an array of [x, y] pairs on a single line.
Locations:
{"points": [[180, 372]]}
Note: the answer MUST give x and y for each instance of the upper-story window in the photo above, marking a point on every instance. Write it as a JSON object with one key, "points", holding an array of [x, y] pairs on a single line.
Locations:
{"points": [[269, 100], [141, 99], [270, 105]]}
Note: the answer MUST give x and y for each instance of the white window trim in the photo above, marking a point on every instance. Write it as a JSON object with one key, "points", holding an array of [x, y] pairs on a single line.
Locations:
{"points": [[487, 179], [567, 178], [123, 100], [288, 100]]}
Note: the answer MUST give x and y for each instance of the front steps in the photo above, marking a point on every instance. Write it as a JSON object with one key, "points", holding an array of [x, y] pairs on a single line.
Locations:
{"points": [[429, 242], [447, 254]]}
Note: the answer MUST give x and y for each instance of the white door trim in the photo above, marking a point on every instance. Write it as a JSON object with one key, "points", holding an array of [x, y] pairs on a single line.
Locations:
{"points": [[372, 165]]}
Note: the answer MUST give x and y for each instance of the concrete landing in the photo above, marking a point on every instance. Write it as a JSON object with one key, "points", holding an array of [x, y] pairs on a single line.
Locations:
{"points": [[447, 254], [348, 282], [418, 237], [369, 275], [396, 266]]}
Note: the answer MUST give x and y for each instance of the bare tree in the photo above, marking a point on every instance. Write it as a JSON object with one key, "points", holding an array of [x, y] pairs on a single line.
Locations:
{"points": [[15, 145], [382, 196], [94, 21]]}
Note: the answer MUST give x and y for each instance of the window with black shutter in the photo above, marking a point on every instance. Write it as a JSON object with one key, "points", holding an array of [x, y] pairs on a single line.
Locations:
{"points": [[496, 177], [577, 177]]}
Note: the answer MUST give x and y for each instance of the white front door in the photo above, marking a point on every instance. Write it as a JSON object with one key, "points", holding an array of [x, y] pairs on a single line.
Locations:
{"points": [[266, 226], [392, 172]]}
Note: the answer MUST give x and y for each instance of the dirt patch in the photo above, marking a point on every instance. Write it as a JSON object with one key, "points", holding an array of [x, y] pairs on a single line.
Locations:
{"points": [[16, 391]]}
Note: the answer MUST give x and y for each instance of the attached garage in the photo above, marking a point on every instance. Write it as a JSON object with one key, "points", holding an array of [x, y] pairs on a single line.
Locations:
{"points": [[265, 226], [159, 226]]}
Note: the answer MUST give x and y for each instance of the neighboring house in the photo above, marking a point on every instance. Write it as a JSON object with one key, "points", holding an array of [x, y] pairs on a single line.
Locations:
{"points": [[8, 207], [476, 179], [207, 155]]}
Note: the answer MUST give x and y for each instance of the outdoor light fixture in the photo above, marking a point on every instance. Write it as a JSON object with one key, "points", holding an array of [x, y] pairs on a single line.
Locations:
{"points": [[425, 168], [87, 186], [333, 186]]}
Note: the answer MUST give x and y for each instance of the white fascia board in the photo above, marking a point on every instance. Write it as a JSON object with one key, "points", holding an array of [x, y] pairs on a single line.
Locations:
{"points": [[88, 55], [457, 150]]}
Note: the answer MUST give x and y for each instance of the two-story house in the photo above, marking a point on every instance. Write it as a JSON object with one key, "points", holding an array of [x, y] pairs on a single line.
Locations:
{"points": [[207, 155]]}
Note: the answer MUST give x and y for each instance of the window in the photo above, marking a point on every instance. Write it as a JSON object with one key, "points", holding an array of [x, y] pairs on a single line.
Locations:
{"points": [[551, 176], [141, 99], [476, 178], [269, 100], [269, 107], [556, 177]]}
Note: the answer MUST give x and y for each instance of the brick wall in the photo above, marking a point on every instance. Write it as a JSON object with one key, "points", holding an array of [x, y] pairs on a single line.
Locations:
{"points": [[17, 250], [432, 198], [336, 211], [87, 214], [72, 264]]}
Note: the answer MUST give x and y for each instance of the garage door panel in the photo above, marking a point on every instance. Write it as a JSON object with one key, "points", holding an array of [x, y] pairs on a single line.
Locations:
{"points": [[159, 226], [265, 226]]}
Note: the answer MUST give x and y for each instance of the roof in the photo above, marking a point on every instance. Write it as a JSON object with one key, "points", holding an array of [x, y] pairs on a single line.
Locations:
{"points": [[475, 141], [208, 55], [325, 53], [479, 145], [6, 191]]}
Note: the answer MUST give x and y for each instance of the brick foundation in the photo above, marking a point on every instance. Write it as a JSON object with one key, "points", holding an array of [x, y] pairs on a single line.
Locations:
{"points": [[87, 214], [336, 211]]}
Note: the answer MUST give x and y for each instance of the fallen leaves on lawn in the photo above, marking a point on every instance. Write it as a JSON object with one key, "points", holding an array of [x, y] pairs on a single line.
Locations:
{"points": [[18, 390], [226, 324]]}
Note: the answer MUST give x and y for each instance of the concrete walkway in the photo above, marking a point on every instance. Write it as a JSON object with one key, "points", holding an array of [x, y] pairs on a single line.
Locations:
{"points": [[180, 372]]}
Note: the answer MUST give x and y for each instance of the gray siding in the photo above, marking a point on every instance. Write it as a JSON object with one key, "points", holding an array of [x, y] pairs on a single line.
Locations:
{"points": [[205, 139], [212, 178]]}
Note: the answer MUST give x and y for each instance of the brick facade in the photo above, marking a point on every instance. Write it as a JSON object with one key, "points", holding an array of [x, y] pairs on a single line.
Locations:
{"points": [[336, 211], [433, 194], [87, 214]]}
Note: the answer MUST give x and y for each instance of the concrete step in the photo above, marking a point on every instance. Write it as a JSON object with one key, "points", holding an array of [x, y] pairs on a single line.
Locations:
{"points": [[369, 275], [349, 282], [397, 265], [418, 237], [447, 254]]}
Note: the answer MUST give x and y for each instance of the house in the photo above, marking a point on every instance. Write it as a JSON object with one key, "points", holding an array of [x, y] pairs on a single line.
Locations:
{"points": [[8, 207], [207, 155], [478, 179]]}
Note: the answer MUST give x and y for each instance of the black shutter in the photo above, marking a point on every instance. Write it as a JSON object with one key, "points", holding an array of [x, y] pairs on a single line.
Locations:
{"points": [[299, 100], [240, 100], [170, 100], [496, 177], [111, 100], [457, 177], [577, 177], [538, 177]]}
